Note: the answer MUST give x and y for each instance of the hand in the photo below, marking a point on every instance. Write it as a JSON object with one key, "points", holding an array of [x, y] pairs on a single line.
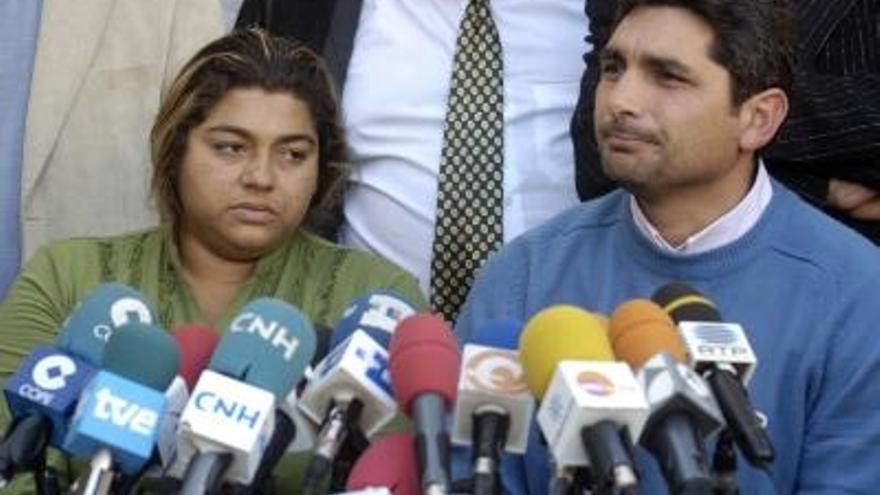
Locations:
{"points": [[855, 200]]}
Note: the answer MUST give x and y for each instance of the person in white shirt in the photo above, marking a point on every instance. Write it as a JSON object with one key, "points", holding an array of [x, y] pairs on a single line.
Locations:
{"points": [[394, 104]]}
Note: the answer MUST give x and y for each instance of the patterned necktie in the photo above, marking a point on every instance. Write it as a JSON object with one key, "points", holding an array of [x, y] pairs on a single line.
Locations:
{"points": [[469, 194]]}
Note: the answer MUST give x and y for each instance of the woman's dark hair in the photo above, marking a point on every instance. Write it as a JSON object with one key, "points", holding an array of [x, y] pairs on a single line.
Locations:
{"points": [[250, 58]]}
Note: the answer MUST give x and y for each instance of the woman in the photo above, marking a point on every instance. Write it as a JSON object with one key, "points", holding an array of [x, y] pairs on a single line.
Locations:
{"points": [[246, 151]]}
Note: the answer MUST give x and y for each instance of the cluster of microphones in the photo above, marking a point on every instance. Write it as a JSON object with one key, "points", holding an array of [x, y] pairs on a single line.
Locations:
{"points": [[190, 412]]}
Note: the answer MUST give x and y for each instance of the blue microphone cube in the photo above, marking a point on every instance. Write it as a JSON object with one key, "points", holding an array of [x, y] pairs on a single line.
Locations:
{"points": [[49, 382], [120, 415]]}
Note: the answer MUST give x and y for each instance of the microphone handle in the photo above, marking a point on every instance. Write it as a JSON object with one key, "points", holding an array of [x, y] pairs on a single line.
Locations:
{"points": [[561, 480], [746, 428], [609, 449], [99, 477], [355, 445], [432, 442], [284, 434], [680, 454], [46, 481], [24, 446], [489, 435], [724, 464], [204, 473]]}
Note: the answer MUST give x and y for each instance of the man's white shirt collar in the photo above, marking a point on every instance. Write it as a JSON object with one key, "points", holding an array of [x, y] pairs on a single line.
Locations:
{"points": [[725, 230]]}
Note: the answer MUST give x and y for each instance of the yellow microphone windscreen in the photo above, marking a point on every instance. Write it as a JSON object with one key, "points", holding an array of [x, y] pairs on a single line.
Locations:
{"points": [[560, 333]]}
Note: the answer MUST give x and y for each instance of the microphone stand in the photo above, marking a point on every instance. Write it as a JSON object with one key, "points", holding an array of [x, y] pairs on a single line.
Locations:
{"points": [[724, 464], [610, 454], [46, 479], [561, 479], [331, 437], [99, 478], [204, 473], [352, 448], [23, 448], [490, 429]]}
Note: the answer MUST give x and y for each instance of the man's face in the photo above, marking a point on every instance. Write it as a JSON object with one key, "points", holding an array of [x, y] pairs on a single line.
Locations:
{"points": [[664, 115]]}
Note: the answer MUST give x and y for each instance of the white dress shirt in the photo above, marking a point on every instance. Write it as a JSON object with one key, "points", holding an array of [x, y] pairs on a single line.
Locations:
{"points": [[394, 107], [726, 229]]}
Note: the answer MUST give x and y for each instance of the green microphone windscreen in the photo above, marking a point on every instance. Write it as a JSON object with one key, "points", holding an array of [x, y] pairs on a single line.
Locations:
{"points": [[142, 353], [268, 345]]}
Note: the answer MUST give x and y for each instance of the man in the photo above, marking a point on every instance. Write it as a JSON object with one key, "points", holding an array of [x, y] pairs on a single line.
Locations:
{"points": [[829, 148], [84, 84], [690, 93]]}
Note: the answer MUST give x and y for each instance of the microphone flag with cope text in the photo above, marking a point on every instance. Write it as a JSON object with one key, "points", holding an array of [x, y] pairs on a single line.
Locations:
{"points": [[44, 391]]}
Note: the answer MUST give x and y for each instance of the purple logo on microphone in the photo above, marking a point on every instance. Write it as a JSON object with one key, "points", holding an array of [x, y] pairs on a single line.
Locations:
{"points": [[715, 334], [595, 383]]}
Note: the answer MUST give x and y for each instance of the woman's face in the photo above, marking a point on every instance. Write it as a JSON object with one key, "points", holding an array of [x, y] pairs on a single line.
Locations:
{"points": [[248, 173]]}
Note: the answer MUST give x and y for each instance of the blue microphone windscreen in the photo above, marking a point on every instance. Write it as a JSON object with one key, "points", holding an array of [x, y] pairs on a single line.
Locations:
{"points": [[144, 354], [107, 307], [502, 333], [377, 313], [268, 345]]}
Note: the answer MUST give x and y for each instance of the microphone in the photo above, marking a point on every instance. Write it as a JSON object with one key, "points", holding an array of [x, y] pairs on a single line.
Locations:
{"points": [[117, 420], [195, 343], [591, 406], [494, 407], [229, 420], [43, 392], [350, 387], [682, 409], [377, 312], [107, 307], [424, 368], [720, 353], [388, 463]]}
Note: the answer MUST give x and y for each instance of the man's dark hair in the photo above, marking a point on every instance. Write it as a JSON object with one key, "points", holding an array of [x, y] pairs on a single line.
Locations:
{"points": [[755, 40]]}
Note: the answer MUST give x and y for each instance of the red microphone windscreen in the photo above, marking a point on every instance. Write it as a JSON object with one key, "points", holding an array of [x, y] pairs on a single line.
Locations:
{"points": [[196, 343], [389, 462], [423, 357]]}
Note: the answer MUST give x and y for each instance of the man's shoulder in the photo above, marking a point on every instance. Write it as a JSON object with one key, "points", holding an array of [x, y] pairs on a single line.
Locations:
{"points": [[820, 240], [581, 221]]}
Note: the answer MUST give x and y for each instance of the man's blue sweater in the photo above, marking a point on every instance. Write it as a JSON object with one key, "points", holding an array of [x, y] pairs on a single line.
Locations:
{"points": [[805, 288]]}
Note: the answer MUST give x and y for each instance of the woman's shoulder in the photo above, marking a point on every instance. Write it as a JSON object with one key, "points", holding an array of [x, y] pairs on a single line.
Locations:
{"points": [[352, 258], [94, 246], [80, 262], [355, 271]]}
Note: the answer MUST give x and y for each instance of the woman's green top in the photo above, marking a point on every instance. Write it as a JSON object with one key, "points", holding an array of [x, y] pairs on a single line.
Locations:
{"points": [[317, 277]]}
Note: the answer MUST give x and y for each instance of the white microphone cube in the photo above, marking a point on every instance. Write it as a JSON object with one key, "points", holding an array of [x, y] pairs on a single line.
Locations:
{"points": [[356, 368], [583, 393], [306, 431], [493, 377], [713, 343], [670, 386], [226, 415], [176, 398]]}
